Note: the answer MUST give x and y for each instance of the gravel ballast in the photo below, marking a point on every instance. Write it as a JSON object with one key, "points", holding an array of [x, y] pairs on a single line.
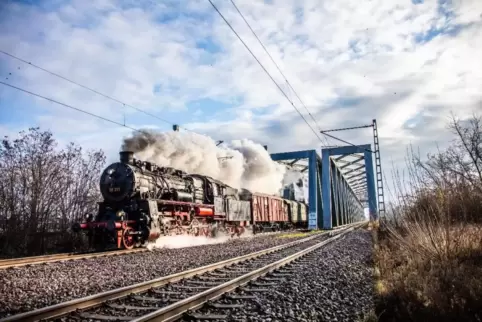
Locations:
{"points": [[334, 283], [30, 287]]}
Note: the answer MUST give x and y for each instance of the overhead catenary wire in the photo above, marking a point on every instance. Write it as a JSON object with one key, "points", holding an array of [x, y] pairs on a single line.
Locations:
{"points": [[289, 84], [82, 111], [277, 66], [264, 69], [75, 108], [69, 106], [88, 88]]}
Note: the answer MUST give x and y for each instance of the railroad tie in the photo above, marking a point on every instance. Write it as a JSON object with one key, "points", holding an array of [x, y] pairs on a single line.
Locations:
{"points": [[249, 290], [203, 283], [217, 274], [132, 307], [273, 279], [281, 275], [225, 306], [153, 299], [209, 278], [196, 317], [260, 284], [191, 287], [241, 297], [103, 317], [161, 292]]}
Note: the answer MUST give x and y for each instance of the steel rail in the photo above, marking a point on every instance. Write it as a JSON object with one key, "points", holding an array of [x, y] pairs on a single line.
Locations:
{"points": [[175, 311], [34, 260], [64, 308]]}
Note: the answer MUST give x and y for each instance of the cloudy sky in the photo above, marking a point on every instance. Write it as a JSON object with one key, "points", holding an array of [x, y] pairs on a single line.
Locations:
{"points": [[406, 63]]}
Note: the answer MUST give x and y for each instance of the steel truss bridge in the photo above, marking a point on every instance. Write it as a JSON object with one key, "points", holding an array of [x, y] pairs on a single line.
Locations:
{"points": [[342, 181]]}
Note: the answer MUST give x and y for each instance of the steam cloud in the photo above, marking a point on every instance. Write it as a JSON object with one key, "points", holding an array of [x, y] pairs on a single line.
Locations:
{"points": [[298, 182], [182, 241], [249, 166]]}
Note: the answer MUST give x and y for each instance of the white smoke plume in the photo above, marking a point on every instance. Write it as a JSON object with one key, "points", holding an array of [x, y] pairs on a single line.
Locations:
{"points": [[298, 181], [182, 241], [249, 166]]}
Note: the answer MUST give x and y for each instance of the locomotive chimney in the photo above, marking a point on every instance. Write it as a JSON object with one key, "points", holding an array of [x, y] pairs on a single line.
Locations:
{"points": [[127, 157]]}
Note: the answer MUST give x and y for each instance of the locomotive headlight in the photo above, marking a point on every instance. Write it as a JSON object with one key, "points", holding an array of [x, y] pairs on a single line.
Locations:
{"points": [[120, 214]]}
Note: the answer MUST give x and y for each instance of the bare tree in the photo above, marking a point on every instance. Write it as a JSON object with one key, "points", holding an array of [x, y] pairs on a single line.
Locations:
{"points": [[43, 189], [429, 253]]}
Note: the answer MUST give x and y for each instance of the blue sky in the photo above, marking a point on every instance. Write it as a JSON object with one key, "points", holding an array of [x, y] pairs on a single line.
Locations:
{"points": [[407, 64]]}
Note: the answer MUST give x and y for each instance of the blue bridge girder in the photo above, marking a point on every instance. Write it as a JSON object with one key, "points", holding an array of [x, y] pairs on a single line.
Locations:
{"points": [[314, 180], [338, 183]]}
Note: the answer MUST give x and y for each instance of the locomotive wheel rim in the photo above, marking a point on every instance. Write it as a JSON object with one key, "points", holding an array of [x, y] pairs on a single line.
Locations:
{"points": [[128, 240]]}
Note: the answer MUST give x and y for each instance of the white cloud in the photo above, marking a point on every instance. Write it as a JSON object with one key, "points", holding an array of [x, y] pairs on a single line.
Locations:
{"points": [[331, 52]]}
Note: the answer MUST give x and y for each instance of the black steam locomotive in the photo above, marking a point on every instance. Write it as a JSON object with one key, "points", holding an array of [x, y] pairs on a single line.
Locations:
{"points": [[143, 201]]}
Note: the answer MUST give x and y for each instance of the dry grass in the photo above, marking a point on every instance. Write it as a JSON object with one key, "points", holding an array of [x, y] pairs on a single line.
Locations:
{"points": [[430, 266], [429, 254], [298, 234]]}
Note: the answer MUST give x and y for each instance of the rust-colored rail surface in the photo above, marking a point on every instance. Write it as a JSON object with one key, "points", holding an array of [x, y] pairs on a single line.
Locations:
{"points": [[23, 261]]}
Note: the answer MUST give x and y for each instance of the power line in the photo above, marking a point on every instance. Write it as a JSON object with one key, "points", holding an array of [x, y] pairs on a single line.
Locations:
{"points": [[279, 69], [69, 106], [86, 87], [334, 137], [261, 65], [86, 112]]}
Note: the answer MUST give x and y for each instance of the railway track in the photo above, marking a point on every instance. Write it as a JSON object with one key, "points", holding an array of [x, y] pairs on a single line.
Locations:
{"points": [[169, 297], [17, 262], [33, 260]]}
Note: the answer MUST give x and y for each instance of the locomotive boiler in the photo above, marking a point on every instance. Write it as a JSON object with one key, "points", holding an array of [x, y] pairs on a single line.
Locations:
{"points": [[142, 201]]}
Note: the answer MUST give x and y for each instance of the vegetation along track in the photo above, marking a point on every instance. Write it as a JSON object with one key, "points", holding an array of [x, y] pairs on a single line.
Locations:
{"points": [[167, 298], [23, 261]]}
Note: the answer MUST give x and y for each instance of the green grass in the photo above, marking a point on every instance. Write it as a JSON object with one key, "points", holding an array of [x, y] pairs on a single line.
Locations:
{"points": [[299, 234]]}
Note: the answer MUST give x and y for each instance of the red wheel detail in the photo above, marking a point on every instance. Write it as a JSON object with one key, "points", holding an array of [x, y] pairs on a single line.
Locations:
{"points": [[127, 238]]}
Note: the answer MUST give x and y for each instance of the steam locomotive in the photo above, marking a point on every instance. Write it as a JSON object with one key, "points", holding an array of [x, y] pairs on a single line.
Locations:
{"points": [[142, 201]]}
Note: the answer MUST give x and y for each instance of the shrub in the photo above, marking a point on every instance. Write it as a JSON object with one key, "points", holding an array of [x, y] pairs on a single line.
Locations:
{"points": [[430, 248]]}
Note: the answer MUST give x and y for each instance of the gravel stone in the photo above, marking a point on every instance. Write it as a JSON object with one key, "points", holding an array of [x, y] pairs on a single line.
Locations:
{"points": [[336, 285], [30, 287]]}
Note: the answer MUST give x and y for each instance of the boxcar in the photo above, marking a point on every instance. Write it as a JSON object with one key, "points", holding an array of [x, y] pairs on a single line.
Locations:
{"points": [[268, 212], [298, 213], [303, 215]]}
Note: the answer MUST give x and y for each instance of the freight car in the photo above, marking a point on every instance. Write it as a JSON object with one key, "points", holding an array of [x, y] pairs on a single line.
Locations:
{"points": [[298, 213], [142, 201], [267, 212]]}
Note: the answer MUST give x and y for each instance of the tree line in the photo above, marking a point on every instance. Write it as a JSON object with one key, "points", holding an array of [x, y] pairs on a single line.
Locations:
{"points": [[43, 190]]}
